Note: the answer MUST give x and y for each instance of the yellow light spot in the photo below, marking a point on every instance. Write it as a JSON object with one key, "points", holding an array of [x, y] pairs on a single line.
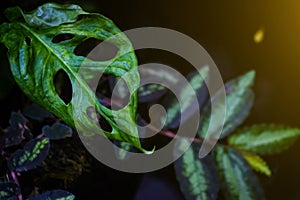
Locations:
{"points": [[259, 35]]}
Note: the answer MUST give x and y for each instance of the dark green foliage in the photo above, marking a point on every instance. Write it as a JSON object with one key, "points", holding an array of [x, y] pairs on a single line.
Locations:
{"points": [[256, 162], [57, 131], [238, 179], [53, 195], [239, 100], [264, 139], [189, 107], [8, 190], [197, 177], [31, 156]]}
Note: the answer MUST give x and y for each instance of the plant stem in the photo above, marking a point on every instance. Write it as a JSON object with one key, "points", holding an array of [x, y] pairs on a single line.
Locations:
{"points": [[15, 178], [107, 102], [169, 133]]}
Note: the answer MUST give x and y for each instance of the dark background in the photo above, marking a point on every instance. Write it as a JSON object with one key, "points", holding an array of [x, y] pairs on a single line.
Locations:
{"points": [[225, 29]]}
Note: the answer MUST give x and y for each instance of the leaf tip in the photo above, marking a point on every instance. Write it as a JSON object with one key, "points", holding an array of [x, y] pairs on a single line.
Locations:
{"points": [[148, 152]]}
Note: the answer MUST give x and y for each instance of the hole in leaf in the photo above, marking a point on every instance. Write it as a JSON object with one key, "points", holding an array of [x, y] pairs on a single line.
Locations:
{"points": [[62, 37], [113, 93], [28, 41], [96, 117], [63, 86], [104, 124], [80, 17], [90, 49]]}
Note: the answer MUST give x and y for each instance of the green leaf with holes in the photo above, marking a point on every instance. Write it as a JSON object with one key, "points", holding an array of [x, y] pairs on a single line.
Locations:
{"points": [[35, 58], [264, 139], [238, 181], [239, 100], [53, 195], [8, 190], [197, 178], [33, 154]]}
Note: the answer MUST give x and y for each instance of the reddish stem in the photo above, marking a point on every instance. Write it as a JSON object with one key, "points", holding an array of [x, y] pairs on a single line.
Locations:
{"points": [[15, 178], [107, 102]]}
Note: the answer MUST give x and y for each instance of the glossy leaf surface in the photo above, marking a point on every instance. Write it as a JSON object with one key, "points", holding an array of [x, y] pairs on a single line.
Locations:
{"points": [[35, 59]]}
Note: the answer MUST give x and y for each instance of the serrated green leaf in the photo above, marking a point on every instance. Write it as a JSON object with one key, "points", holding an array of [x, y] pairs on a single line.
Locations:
{"points": [[256, 162], [239, 100], [57, 131], [264, 139], [238, 179], [53, 195], [35, 60], [8, 190], [33, 154], [197, 177], [175, 112]]}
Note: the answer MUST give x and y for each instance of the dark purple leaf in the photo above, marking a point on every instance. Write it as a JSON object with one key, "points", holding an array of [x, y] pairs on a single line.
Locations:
{"points": [[57, 131], [190, 107], [33, 154], [12, 136], [53, 195], [17, 120], [198, 178], [9, 190], [151, 92], [36, 112]]}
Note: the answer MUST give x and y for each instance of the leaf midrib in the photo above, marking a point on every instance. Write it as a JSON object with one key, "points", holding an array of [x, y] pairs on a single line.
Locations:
{"points": [[69, 69]]}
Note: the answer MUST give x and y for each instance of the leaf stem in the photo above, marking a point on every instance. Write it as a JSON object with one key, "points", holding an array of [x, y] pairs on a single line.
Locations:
{"points": [[15, 178], [107, 102], [169, 133]]}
